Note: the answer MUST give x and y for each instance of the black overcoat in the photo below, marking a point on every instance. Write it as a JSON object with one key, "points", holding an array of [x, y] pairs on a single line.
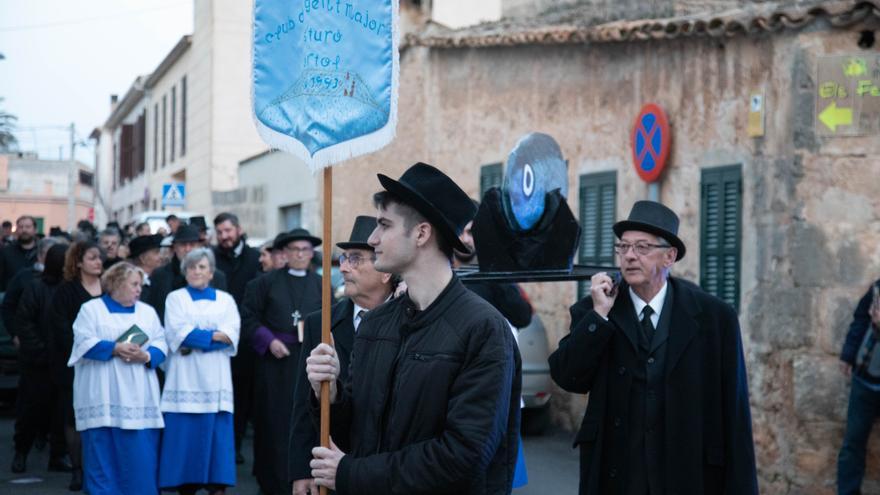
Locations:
{"points": [[14, 290], [239, 270], [270, 301], [12, 259], [303, 426], [709, 447], [63, 310], [32, 321]]}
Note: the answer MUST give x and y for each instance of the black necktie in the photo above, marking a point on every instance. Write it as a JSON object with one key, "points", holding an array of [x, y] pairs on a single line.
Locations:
{"points": [[647, 326], [360, 317]]}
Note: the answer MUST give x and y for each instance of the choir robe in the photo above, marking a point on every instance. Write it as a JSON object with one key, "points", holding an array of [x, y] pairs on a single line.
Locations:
{"points": [[116, 403], [198, 447], [275, 305]]}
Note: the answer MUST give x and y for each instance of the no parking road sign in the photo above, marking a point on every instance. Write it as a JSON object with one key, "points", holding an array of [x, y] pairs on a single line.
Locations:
{"points": [[650, 142]]}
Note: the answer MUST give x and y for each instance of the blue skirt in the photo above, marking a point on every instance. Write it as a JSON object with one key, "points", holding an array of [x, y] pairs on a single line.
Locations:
{"points": [[120, 461], [197, 449], [520, 475]]}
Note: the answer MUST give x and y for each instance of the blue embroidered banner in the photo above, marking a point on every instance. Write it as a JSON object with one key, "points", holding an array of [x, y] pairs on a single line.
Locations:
{"points": [[325, 76]]}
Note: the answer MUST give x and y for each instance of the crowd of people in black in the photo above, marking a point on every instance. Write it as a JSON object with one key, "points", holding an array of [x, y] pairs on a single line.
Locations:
{"points": [[68, 296], [145, 356]]}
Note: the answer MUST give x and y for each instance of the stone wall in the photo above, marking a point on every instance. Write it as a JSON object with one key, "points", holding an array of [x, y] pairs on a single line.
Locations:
{"points": [[811, 219]]}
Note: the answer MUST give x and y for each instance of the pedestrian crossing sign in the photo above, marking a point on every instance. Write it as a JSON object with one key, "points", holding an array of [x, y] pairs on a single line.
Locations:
{"points": [[174, 194]]}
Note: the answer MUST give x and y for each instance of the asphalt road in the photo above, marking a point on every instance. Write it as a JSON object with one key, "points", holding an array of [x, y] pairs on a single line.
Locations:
{"points": [[552, 467]]}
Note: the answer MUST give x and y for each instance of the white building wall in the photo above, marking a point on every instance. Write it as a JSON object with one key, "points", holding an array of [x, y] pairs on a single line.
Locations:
{"points": [[285, 181], [177, 167], [234, 136], [43, 177], [200, 96], [104, 178]]}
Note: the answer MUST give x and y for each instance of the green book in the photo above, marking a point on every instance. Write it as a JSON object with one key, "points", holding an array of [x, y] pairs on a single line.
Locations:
{"points": [[133, 335]]}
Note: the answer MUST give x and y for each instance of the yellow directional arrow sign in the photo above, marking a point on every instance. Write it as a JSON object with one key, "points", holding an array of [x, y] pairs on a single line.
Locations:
{"points": [[834, 116]]}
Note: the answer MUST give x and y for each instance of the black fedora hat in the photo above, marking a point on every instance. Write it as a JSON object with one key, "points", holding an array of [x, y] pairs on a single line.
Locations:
{"points": [[186, 233], [360, 232], [433, 194], [141, 244], [653, 218], [199, 223], [284, 239], [276, 242]]}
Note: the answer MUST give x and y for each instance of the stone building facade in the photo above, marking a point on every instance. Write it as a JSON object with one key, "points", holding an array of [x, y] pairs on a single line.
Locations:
{"points": [[807, 233]]}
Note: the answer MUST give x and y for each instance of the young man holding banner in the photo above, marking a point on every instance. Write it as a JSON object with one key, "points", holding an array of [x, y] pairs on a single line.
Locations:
{"points": [[431, 403]]}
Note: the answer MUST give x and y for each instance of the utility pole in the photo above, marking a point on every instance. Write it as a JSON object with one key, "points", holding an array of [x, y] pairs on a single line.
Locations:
{"points": [[71, 182]]}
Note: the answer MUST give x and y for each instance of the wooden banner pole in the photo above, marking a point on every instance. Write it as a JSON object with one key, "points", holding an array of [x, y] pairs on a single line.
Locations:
{"points": [[326, 302]]}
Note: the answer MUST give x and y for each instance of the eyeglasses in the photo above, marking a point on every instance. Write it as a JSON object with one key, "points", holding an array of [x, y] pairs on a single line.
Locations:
{"points": [[297, 250], [640, 248], [354, 259]]}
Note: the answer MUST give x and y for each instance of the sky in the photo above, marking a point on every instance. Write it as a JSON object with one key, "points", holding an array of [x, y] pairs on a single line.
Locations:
{"points": [[62, 59]]}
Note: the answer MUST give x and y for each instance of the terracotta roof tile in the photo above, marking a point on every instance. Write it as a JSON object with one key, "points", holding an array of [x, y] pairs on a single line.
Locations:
{"points": [[755, 19]]}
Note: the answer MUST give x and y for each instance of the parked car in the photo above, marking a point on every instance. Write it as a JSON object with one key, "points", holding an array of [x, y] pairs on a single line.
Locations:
{"points": [[156, 218], [536, 382]]}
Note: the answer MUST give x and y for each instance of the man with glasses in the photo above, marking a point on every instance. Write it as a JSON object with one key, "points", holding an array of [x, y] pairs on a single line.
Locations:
{"points": [[663, 364], [365, 289], [273, 317]]}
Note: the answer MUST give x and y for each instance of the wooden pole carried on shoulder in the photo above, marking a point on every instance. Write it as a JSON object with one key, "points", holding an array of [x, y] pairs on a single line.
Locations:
{"points": [[326, 302]]}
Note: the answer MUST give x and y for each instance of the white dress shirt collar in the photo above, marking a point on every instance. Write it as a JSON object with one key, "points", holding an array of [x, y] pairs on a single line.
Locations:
{"points": [[656, 303]]}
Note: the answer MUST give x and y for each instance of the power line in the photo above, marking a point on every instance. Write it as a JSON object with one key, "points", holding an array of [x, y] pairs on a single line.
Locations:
{"points": [[41, 128], [72, 22]]}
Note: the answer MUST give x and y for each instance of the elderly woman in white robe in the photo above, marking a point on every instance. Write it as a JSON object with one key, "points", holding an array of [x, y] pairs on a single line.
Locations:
{"points": [[202, 328], [118, 342]]}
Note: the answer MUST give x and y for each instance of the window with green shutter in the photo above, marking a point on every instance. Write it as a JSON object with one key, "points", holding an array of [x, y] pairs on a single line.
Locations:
{"points": [[490, 176], [721, 232], [597, 213]]}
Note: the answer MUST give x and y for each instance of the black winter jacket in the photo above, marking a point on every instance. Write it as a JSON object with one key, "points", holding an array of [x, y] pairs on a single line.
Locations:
{"points": [[12, 259], [14, 291], [861, 322], [432, 400], [32, 320]]}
